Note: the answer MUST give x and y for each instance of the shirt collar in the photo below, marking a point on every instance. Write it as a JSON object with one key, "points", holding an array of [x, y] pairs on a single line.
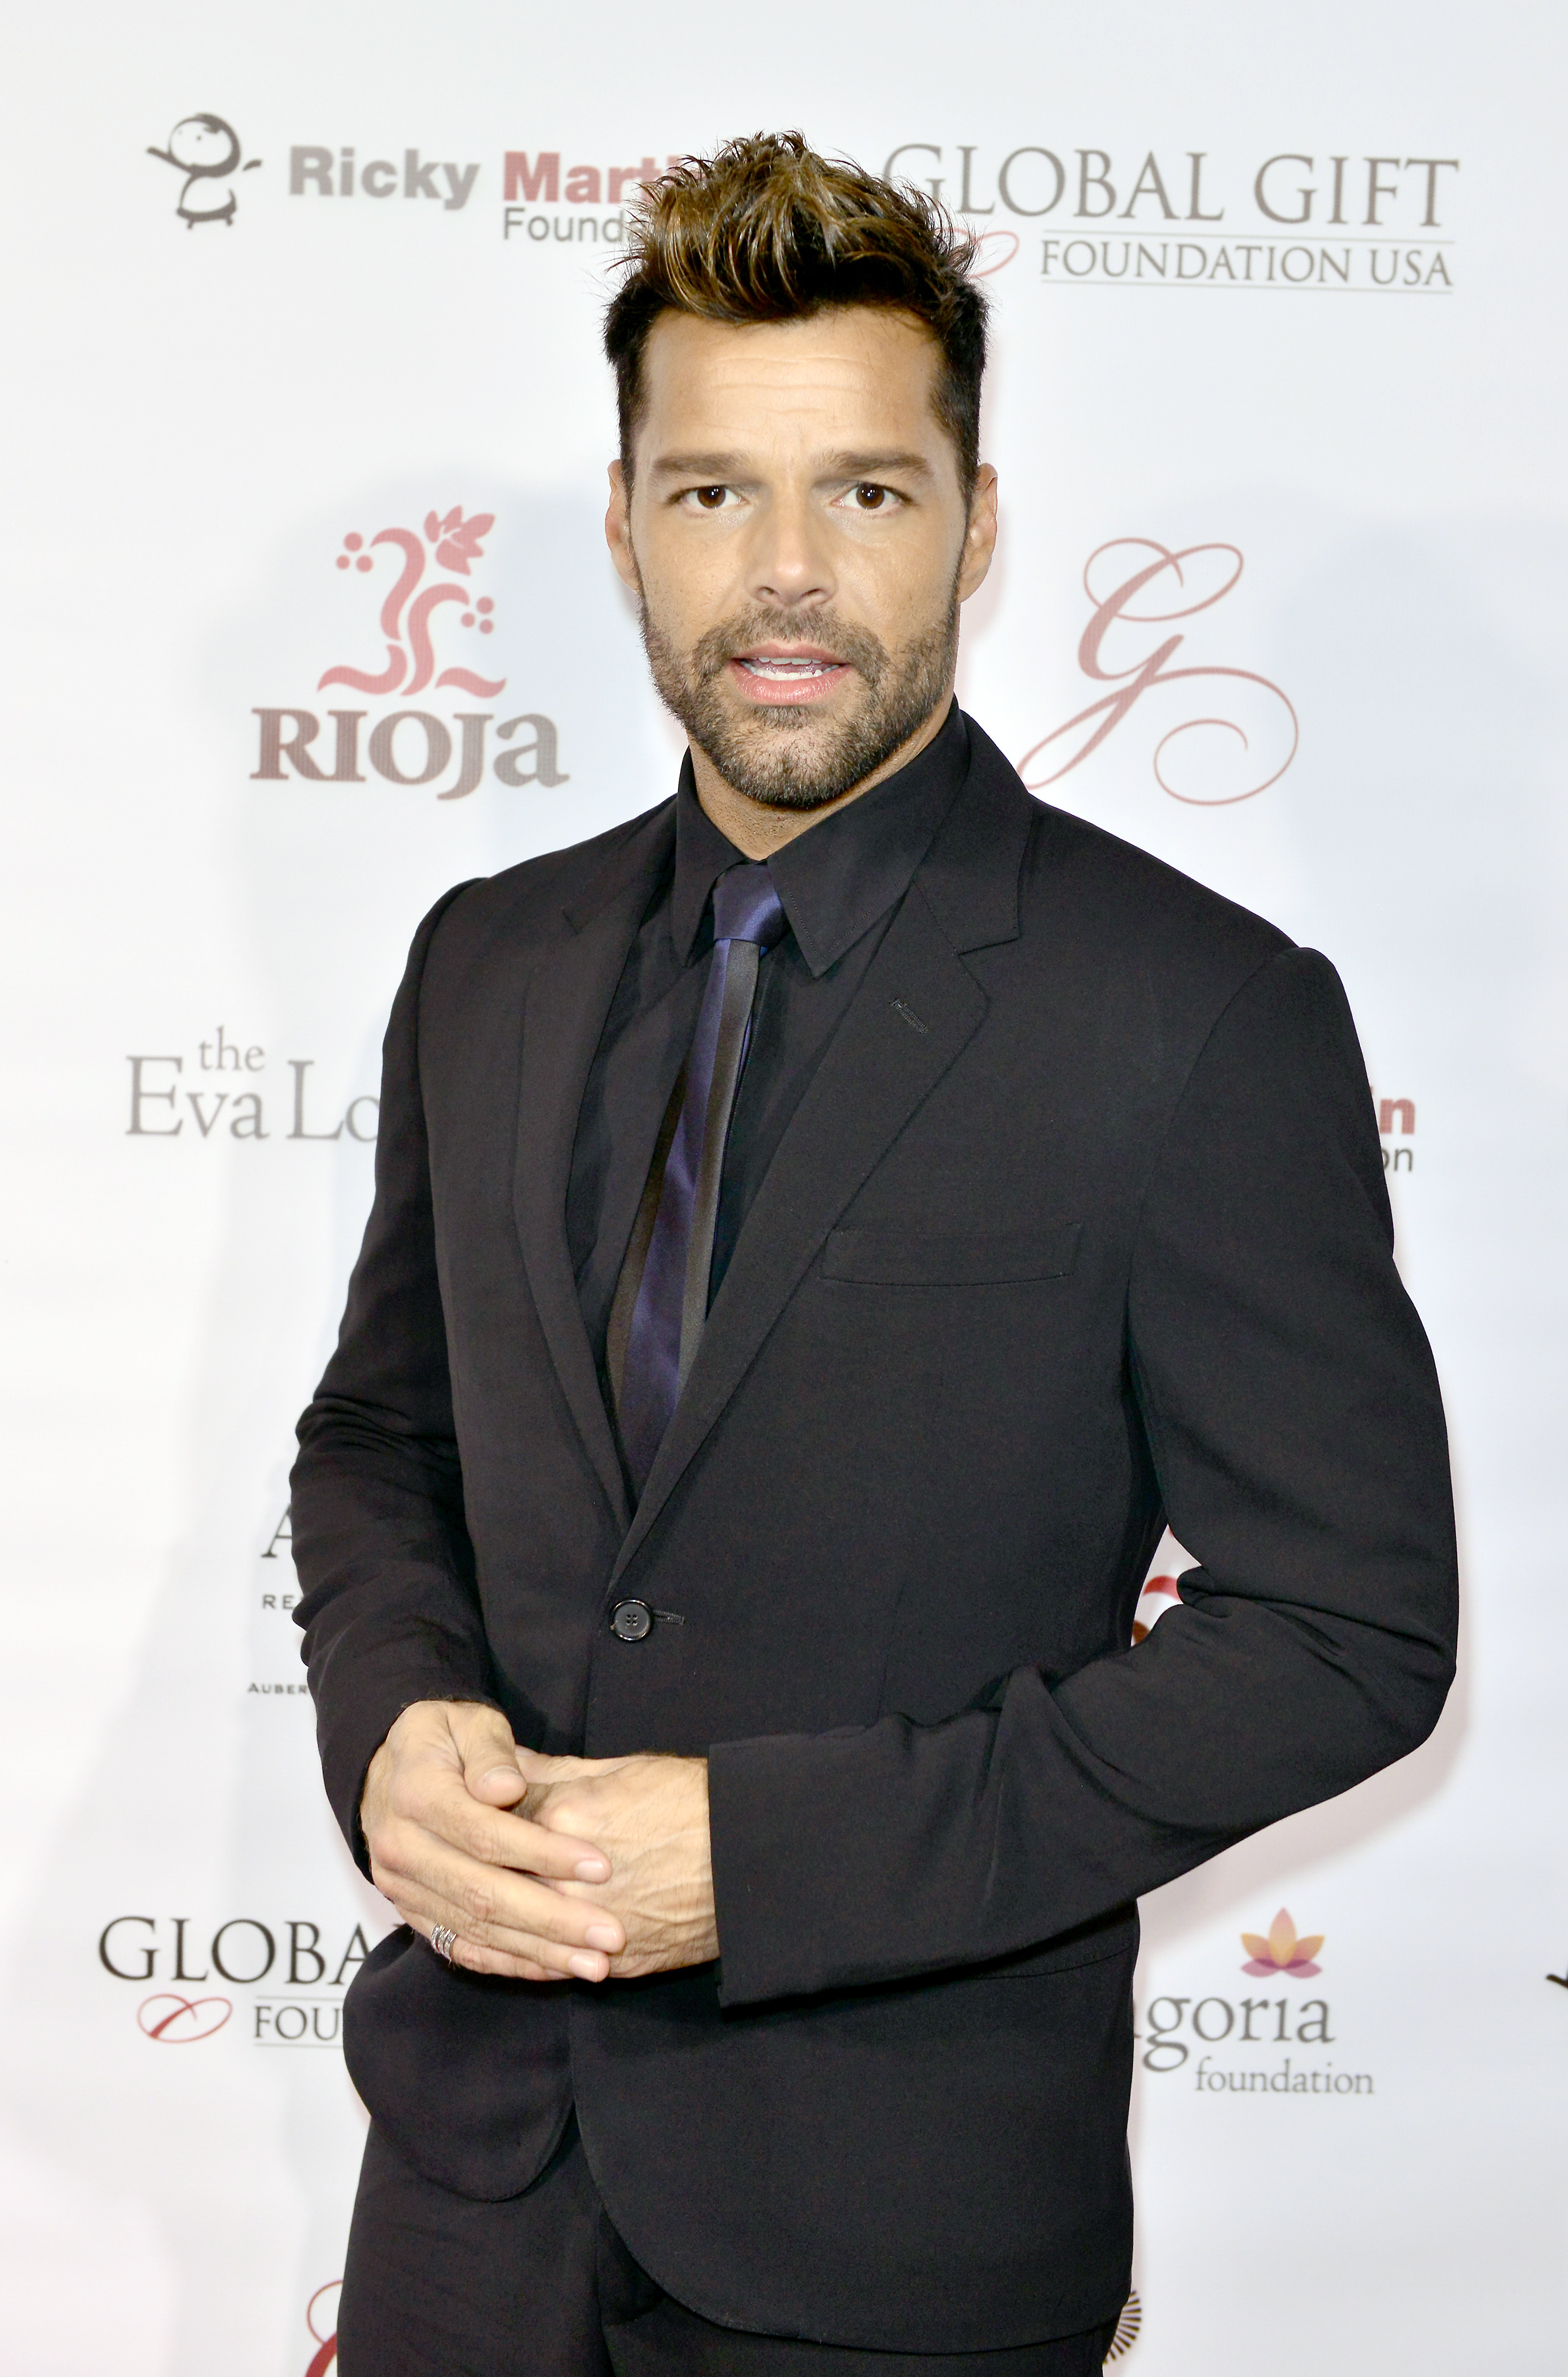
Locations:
{"points": [[839, 876]]}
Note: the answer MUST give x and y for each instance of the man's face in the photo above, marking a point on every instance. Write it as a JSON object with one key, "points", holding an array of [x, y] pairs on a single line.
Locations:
{"points": [[801, 544]]}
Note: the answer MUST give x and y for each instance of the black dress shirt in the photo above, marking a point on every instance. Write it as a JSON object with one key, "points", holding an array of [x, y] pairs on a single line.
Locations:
{"points": [[840, 884]]}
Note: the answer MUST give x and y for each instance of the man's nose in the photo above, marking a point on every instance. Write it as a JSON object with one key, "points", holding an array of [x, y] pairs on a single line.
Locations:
{"points": [[790, 562]]}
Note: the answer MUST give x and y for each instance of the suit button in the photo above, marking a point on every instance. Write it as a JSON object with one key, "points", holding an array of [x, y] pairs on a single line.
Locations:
{"points": [[631, 1620]]}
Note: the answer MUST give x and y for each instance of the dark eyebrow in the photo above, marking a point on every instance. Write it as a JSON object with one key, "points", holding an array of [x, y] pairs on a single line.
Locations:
{"points": [[707, 467], [868, 466], [716, 468]]}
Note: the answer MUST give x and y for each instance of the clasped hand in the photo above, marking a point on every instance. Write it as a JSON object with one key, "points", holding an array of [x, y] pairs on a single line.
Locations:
{"points": [[543, 1868]]}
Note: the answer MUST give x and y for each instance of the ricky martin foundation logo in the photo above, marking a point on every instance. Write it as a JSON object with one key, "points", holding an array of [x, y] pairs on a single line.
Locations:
{"points": [[433, 617], [1234, 732], [207, 152]]}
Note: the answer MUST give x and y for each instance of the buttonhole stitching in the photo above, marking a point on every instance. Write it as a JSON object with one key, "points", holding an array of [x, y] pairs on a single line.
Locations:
{"points": [[909, 1015]]}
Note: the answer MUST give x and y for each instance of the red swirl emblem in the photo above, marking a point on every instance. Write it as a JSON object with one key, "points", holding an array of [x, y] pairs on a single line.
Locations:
{"points": [[179, 2022], [321, 2318]]}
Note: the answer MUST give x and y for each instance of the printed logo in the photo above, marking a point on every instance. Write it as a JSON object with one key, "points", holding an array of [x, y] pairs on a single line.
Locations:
{"points": [[1183, 218], [317, 172], [292, 2010], [1159, 1594], [1396, 1117], [1161, 1589], [428, 599], [531, 183], [406, 616], [1237, 2033], [1130, 592], [232, 1099], [1282, 1951], [321, 2319], [207, 152], [179, 2022], [1127, 2328]]}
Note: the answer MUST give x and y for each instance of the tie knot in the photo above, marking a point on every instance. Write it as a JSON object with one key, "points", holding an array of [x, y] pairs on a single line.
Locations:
{"points": [[747, 907]]}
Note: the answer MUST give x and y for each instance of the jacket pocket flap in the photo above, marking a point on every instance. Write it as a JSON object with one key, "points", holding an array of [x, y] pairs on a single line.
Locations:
{"points": [[894, 1255]]}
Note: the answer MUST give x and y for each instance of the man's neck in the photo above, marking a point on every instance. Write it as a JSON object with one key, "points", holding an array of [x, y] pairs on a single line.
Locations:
{"points": [[757, 829]]}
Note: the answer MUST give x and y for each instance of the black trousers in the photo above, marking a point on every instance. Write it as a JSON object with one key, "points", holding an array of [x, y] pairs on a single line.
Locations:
{"points": [[540, 2285]]}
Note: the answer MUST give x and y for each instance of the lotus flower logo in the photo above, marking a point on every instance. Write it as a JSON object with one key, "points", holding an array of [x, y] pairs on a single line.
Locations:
{"points": [[1283, 1952]]}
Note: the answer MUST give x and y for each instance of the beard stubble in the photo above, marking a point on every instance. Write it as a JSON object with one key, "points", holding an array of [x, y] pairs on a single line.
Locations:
{"points": [[767, 756]]}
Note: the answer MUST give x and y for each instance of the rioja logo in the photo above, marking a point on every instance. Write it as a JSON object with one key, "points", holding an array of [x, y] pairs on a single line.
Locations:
{"points": [[426, 579], [1130, 592], [406, 615]]}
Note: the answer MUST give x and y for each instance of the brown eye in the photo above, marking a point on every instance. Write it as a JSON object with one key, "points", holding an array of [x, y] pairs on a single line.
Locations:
{"points": [[871, 499], [711, 497]]}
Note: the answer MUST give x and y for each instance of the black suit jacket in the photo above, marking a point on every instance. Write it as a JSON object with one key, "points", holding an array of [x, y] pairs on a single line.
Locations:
{"points": [[1081, 1224]]}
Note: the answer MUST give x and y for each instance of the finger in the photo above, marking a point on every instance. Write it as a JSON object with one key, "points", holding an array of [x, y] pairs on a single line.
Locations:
{"points": [[496, 1949], [438, 1803], [483, 1901], [499, 1772], [453, 1951], [489, 1756], [495, 1946]]}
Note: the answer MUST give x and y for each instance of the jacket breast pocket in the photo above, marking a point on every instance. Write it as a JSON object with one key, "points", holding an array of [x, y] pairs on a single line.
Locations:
{"points": [[897, 1254]]}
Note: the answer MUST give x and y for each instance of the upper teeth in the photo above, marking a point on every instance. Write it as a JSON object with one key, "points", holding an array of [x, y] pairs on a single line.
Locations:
{"points": [[772, 667]]}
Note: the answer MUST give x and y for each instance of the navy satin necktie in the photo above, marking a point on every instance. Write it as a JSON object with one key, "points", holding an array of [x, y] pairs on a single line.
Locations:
{"points": [[659, 1342]]}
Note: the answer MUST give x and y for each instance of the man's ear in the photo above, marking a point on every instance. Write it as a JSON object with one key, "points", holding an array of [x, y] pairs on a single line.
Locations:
{"points": [[618, 530], [980, 537]]}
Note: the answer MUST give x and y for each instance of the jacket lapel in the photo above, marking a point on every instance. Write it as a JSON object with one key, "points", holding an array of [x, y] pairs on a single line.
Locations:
{"points": [[569, 997], [915, 1010]]}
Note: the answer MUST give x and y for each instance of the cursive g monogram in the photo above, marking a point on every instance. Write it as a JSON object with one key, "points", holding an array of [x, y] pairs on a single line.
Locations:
{"points": [[179, 2022], [1152, 592]]}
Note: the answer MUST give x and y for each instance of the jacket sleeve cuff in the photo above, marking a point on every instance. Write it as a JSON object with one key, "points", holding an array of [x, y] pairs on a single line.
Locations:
{"points": [[833, 1855]]}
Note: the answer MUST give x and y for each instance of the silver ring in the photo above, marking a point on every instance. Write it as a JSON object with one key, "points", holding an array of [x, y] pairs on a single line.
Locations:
{"points": [[443, 1942]]}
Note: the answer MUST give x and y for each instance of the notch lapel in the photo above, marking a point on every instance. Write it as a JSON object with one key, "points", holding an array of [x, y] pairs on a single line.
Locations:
{"points": [[877, 1069], [876, 1072], [569, 997]]}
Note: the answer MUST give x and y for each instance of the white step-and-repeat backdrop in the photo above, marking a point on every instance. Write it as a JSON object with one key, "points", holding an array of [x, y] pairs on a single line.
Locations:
{"points": [[308, 615]]}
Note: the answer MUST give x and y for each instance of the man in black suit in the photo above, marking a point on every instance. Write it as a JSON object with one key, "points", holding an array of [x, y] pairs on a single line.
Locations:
{"points": [[823, 1229]]}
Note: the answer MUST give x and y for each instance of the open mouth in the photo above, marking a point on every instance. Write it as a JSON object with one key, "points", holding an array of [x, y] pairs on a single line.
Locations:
{"points": [[785, 670], [784, 676]]}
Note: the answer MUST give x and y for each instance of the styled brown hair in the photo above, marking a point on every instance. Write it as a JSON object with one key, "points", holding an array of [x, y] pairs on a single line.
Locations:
{"points": [[766, 230]]}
